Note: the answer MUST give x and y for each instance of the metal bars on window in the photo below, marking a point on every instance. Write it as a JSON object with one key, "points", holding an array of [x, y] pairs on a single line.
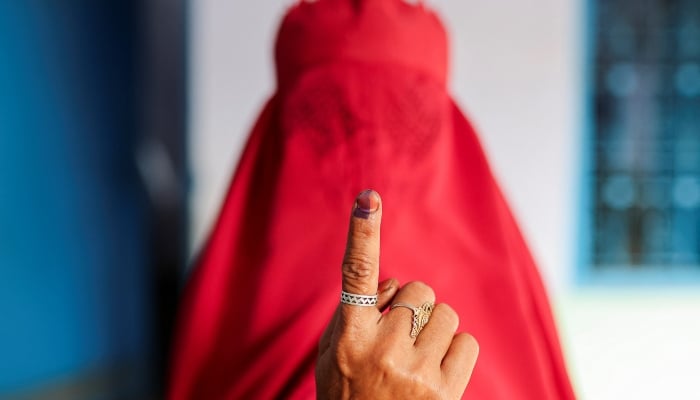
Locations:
{"points": [[646, 131]]}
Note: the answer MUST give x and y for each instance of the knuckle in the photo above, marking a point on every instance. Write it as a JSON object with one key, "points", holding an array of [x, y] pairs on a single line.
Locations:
{"points": [[418, 376], [386, 363], [357, 267], [385, 368], [431, 391], [421, 289], [421, 368], [447, 315], [425, 385]]}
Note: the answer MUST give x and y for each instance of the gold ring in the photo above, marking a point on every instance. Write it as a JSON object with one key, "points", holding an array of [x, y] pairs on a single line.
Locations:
{"points": [[421, 315]]}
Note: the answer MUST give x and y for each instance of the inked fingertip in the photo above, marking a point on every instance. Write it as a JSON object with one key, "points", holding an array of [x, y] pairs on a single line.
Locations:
{"points": [[366, 204]]}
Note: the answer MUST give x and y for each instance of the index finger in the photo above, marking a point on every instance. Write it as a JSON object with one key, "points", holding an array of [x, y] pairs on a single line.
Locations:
{"points": [[361, 261]]}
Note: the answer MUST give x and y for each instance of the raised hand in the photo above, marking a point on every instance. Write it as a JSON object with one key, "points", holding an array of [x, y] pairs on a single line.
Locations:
{"points": [[410, 352]]}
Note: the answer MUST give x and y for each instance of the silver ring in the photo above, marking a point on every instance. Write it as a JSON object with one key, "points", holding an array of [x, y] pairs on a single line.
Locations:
{"points": [[421, 315], [358, 299]]}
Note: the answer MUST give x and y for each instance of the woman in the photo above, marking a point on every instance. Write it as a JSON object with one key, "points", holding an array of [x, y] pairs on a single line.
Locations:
{"points": [[361, 102]]}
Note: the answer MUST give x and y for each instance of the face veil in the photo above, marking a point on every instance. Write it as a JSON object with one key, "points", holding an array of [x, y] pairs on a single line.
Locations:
{"points": [[361, 102]]}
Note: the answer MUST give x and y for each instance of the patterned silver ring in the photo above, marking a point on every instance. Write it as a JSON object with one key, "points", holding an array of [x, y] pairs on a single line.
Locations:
{"points": [[357, 299], [421, 315]]}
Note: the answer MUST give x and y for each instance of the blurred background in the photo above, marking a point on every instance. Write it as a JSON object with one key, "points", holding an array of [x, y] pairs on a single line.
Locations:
{"points": [[93, 193], [121, 123]]}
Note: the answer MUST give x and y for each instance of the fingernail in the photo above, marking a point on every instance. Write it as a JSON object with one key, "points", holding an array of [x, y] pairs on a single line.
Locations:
{"points": [[366, 203]]}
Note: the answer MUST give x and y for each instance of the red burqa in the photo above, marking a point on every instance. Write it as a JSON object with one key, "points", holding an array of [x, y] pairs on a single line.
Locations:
{"points": [[361, 103]]}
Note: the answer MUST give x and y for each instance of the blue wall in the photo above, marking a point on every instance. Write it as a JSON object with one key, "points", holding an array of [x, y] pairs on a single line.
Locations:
{"points": [[73, 271]]}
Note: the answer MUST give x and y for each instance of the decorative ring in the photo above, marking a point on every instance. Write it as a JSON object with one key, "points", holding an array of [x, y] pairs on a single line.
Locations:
{"points": [[357, 299], [421, 315]]}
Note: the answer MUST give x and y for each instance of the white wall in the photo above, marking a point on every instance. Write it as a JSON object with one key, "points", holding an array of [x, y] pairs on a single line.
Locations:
{"points": [[515, 67], [231, 75]]}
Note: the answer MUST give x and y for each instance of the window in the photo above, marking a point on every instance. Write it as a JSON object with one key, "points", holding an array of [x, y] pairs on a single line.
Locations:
{"points": [[644, 173]]}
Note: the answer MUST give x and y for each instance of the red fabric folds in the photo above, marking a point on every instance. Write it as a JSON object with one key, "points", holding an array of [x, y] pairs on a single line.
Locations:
{"points": [[361, 103]]}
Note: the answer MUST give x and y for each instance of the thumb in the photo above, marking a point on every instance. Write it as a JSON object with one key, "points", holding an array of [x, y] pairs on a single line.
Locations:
{"points": [[361, 261]]}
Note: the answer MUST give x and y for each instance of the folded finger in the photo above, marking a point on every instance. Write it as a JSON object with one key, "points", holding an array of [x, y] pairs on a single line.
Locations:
{"points": [[436, 337], [387, 291], [400, 319], [459, 362]]}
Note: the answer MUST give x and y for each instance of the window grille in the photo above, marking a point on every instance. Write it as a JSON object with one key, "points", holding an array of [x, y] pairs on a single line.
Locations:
{"points": [[645, 105]]}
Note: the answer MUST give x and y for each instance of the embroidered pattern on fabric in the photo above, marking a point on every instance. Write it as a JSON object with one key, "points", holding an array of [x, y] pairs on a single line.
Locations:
{"points": [[351, 117]]}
